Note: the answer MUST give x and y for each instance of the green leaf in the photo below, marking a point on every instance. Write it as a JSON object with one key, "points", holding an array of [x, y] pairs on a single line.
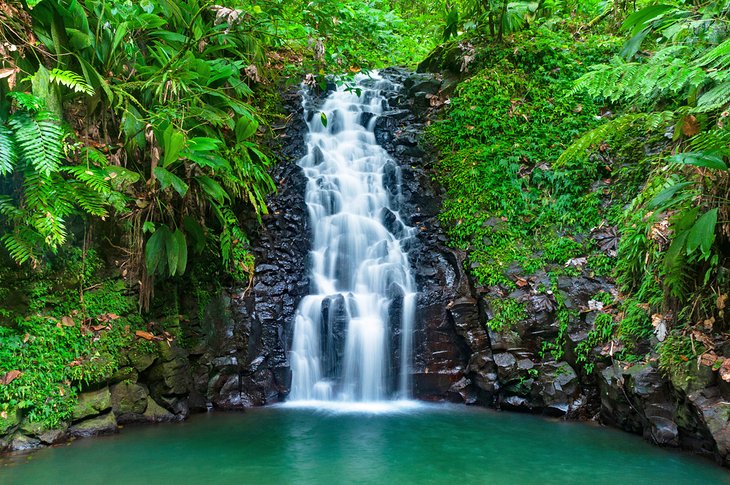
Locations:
{"points": [[667, 194], [323, 119], [155, 249], [212, 188], [196, 232], [702, 234], [176, 248], [173, 142], [246, 127], [709, 159], [181, 245], [148, 226], [8, 154], [167, 178]]}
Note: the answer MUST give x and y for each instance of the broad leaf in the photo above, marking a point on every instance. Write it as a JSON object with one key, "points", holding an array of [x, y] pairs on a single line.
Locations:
{"points": [[212, 188], [702, 234], [173, 142], [168, 178], [709, 159], [246, 127], [155, 249]]}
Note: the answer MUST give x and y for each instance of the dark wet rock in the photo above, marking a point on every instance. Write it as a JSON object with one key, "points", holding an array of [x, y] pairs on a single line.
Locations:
{"points": [[21, 442]]}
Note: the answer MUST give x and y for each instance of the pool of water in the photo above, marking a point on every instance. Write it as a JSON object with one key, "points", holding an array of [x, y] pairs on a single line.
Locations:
{"points": [[399, 444]]}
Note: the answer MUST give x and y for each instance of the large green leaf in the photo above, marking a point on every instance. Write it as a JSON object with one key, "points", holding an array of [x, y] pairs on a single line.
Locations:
{"points": [[168, 178], [176, 248], [173, 142], [245, 128], [212, 188], [155, 249], [702, 234], [709, 159]]}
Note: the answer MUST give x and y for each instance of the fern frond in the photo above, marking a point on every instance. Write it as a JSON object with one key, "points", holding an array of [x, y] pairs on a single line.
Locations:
{"points": [[27, 101], [717, 58], [579, 147], [39, 140], [71, 80], [8, 208], [8, 153], [715, 99], [92, 177], [19, 246], [713, 140]]}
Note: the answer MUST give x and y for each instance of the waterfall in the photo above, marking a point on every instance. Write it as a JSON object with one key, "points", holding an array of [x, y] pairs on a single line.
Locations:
{"points": [[353, 332]]}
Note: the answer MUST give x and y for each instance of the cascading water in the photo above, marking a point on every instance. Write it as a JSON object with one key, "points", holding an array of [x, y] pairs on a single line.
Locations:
{"points": [[362, 302]]}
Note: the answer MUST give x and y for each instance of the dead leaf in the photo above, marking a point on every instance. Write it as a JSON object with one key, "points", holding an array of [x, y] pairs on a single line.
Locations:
{"points": [[67, 321], [708, 359], [690, 126], [26, 338], [99, 328], [721, 301], [521, 282], [709, 323], [144, 335], [9, 377]]}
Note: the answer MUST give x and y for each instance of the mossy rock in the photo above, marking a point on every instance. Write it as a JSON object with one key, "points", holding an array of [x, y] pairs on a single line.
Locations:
{"points": [[11, 420], [125, 374], [92, 403], [21, 442], [140, 358], [129, 398], [104, 424], [157, 413]]}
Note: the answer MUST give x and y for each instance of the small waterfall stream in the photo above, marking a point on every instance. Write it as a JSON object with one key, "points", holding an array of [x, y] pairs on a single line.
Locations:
{"points": [[353, 332]]}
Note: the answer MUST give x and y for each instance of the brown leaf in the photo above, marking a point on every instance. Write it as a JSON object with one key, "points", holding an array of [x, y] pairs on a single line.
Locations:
{"points": [[26, 338], [67, 321], [721, 301], [708, 359], [521, 282], [690, 126], [9, 377], [99, 328], [144, 335]]}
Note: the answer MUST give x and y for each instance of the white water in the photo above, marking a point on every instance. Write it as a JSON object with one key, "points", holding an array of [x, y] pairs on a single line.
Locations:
{"points": [[358, 268]]}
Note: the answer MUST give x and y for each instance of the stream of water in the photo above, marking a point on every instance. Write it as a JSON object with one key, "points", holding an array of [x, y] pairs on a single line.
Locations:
{"points": [[345, 337], [418, 444]]}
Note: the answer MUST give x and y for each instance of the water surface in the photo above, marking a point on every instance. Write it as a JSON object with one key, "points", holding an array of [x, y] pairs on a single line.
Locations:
{"points": [[396, 444]]}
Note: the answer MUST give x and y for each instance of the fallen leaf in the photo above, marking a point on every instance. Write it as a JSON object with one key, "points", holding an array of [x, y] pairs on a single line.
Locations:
{"points": [[9, 377], [708, 359], [67, 321], [144, 335], [690, 126], [708, 324], [721, 301], [521, 282]]}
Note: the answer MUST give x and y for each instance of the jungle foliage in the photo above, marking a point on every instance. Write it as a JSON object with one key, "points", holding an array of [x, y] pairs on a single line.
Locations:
{"points": [[570, 152]]}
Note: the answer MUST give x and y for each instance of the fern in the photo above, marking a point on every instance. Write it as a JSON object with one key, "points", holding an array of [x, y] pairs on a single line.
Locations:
{"points": [[8, 154], [39, 139], [597, 135], [71, 80]]}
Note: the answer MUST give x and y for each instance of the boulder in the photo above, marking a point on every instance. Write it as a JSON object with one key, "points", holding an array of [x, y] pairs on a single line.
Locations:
{"points": [[92, 403], [99, 425], [128, 398]]}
